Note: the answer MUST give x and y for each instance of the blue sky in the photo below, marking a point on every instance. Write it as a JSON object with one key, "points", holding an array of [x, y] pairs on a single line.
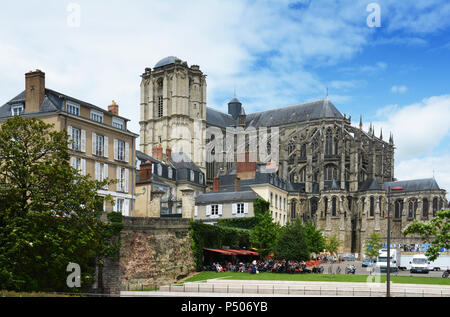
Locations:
{"points": [[274, 53]]}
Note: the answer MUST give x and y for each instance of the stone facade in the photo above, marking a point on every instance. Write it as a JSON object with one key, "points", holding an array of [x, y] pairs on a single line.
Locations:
{"points": [[154, 252]]}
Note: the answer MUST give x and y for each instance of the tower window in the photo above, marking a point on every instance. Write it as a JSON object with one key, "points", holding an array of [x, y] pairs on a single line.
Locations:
{"points": [[160, 107]]}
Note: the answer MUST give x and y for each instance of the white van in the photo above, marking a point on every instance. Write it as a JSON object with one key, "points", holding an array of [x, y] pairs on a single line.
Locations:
{"points": [[419, 264], [381, 263]]}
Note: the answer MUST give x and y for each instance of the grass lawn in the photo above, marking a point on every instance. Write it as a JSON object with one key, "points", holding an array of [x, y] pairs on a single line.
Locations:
{"points": [[33, 294], [316, 277]]}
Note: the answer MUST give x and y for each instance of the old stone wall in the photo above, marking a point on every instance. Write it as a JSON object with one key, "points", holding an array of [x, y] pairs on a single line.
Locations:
{"points": [[154, 252]]}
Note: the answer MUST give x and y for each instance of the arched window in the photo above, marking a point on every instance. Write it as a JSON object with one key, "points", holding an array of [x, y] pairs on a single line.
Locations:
{"points": [[425, 208], [398, 209], [381, 208], [410, 209], [293, 208], [302, 175], [303, 152], [435, 206], [336, 146], [330, 172], [333, 206], [328, 143], [372, 206], [326, 206]]}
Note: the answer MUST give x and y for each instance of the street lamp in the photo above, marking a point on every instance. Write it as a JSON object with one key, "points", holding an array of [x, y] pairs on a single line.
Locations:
{"points": [[388, 266]]}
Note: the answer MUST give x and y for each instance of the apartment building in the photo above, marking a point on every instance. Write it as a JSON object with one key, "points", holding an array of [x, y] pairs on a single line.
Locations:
{"points": [[100, 143]]}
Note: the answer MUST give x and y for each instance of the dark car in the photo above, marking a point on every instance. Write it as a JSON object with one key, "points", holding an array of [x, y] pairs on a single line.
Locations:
{"points": [[368, 262]]}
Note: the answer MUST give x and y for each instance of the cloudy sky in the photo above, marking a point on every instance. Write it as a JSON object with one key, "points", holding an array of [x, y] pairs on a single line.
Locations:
{"points": [[274, 53]]}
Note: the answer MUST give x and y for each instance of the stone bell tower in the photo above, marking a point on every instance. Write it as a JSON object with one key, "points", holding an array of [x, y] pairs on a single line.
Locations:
{"points": [[173, 109]]}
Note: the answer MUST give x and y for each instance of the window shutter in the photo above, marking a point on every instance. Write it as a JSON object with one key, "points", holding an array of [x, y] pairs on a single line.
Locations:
{"points": [[126, 207], [74, 160], [127, 175], [83, 141], [83, 167], [116, 149], [246, 208], [106, 147], [115, 205], [97, 171], [220, 210], [69, 132], [94, 143], [127, 152], [208, 210], [234, 209], [196, 211], [119, 183]]}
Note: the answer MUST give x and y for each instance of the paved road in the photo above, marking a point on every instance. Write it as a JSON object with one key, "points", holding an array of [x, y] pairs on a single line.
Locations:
{"points": [[366, 270]]}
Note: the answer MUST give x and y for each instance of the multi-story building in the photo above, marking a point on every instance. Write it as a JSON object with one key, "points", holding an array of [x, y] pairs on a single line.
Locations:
{"points": [[101, 145], [337, 173]]}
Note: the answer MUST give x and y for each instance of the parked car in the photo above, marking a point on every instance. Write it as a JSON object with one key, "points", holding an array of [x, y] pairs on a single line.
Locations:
{"points": [[368, 262]]}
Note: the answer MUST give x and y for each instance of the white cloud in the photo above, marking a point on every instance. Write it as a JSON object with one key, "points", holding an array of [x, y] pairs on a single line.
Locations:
{"points": [[399, 89], [418, 128], [418, 168]]}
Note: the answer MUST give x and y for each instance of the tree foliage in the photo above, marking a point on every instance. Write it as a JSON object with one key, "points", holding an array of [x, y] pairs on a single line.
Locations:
{"points": [[292, 244], [315, 239], [332, 244], [373, 245], [436, 231], [49, 213], [264, 235]]}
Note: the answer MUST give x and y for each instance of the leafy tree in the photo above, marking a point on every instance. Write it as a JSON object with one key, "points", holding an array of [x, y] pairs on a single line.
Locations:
{"points": [[292, 243], [332, 244], [373, 245], [265, 233], [436, 231], [48, 212], [315, 239]]}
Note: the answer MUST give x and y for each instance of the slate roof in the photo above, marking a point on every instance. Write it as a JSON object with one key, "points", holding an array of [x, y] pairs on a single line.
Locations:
{"points": [[181, 160], [219, 119], [369, 185], [220, 197], [167, 61], [295, 113], [414, 185]]}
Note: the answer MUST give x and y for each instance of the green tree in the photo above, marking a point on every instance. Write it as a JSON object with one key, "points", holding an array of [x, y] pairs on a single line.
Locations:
{"points": [[292, 244], [373, 245], [49, 213], [332, 244], [265, 233], [315, 239], [436, 231]]}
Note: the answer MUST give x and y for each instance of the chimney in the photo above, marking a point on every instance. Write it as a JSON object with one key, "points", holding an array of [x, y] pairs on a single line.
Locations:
{"points": [[168, 154], [114, 108], [145, 172], [246, 169], [216, 184], [237, 184], [34, 91], [157, 152]]}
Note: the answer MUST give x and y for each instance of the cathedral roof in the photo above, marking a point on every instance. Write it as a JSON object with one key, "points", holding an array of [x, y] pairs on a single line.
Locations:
{"points": [[167, 61], [414, 185], [299, 112], [219, 119], [369, 184]]}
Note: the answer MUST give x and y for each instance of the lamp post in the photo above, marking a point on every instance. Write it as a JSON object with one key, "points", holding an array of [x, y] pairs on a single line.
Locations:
{"points": [[388, 262]]}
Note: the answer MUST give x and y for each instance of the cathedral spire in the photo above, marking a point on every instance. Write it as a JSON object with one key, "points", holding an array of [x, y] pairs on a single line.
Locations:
{"points": [[360, 121], [381, 134], [391, 139]]}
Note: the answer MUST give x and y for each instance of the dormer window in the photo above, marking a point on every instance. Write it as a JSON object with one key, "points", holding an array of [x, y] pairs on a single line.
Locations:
{"points": [[192, 176], [73, 108], [96, 116], [170, 173], [16, 110], [118, 123]]}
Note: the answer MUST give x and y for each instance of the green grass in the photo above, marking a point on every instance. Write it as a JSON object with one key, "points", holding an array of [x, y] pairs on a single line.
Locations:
{"points": [[32, 294], [203, 276]]}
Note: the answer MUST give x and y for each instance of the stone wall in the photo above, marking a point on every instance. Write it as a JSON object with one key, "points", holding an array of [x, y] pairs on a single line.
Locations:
{"points": [[154, 252]]}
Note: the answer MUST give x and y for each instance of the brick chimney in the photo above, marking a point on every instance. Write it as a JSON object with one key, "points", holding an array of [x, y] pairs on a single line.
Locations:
{"points": [[34, 91], [114, 108], [246, 169], [168, 154], [157, 152], [237, 184], [216, 184], [145, 173]]}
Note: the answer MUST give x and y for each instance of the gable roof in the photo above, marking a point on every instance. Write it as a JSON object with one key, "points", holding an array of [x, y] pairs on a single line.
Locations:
{"points": [[414, 185]]}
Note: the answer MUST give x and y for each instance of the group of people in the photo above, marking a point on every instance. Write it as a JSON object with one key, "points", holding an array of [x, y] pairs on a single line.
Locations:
{"points": [[275, 266]]}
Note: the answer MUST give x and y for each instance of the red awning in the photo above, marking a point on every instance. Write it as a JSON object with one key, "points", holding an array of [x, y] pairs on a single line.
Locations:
{"points": [[232, 252]]}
